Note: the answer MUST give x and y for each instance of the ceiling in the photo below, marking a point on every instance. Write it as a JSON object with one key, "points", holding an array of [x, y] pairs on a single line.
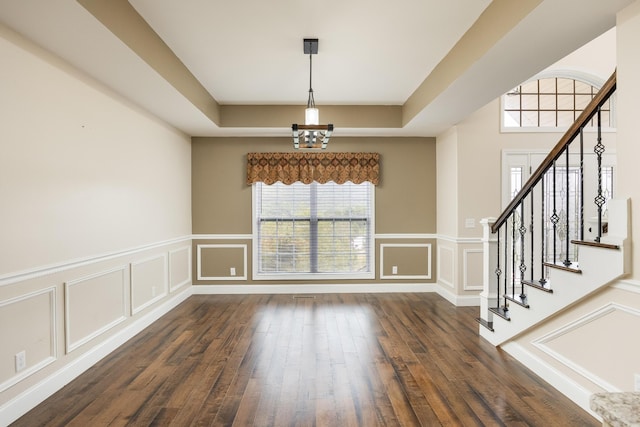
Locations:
{"points": [[407, 67]]}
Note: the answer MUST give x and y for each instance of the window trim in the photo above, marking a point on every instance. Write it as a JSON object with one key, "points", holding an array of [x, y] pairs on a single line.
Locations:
{"points": [[257, 276], [563, 74]]}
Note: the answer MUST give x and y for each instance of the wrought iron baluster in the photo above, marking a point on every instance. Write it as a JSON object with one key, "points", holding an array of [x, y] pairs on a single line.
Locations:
{"points": [[567, 261], [513, 252], [599, 200], [498, 272], [506, 259], [542, 280], [582, 183], [554, 217], [523, 267], [532, 239]]}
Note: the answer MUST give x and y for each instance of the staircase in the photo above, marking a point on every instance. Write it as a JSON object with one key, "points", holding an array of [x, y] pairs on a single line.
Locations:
{"points": [[537, 261], [599, 264]]}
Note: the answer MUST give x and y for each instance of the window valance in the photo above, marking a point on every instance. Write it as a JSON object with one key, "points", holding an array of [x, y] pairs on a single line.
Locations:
{"points": [[308, 167]]}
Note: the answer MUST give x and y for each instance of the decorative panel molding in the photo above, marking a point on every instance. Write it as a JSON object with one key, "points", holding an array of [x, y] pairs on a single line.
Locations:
{"points": [[179, 267], [472, 266], [603, 324], [11, 278], [206, 254], [446, 265], [149, 282], [93, 305], [415, 247], [27, 323]]}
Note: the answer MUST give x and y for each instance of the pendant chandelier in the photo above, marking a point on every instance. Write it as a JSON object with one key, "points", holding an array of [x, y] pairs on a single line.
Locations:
{"points": [[311, 135]]}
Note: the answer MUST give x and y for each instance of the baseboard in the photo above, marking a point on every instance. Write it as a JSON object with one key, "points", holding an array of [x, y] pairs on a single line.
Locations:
{"points": [[24, 402], [312, 289], [457, 300], [565, 385]]}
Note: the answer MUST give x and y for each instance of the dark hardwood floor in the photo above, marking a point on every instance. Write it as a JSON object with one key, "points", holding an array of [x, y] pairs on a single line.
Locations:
{"points": [[328, 360]]}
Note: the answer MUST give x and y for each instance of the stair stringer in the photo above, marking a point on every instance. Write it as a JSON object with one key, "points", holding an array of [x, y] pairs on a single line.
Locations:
{"points": [[599, 267]]}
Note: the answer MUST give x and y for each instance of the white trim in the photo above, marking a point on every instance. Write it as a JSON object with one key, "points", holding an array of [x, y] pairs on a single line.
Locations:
{"points": [[458, 300], [53, 352], [564, 384], [224, 246], [70, 346], [172, 287], [46, 270], [296, 288], [465, 267], [222, 236], [459, 240], [439, 278], [541, 342], [628, 285], [405, 276], [165, 282], [380, 236], [25, 401]]}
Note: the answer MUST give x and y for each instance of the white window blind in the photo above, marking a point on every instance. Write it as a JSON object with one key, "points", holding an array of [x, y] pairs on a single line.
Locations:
{"points": [[313, 228]]}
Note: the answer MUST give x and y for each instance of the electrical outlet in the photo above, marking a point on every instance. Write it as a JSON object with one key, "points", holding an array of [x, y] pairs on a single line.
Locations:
{"points": [[394, 269], [232, 271], [21, 361], [636, 382]]}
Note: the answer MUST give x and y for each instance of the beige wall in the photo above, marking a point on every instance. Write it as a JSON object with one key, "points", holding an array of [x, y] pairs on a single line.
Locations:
{"points": [[586, 348], [629, 111], [469, 158], [95, 225], [405, 199], [82, 173]]}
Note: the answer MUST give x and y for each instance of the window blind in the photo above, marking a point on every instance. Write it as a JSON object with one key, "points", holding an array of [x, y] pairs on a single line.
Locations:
{"points": [[313, 228]]}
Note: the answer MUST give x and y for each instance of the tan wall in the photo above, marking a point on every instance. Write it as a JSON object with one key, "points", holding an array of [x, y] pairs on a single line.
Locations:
{"points": [[405, 197]]}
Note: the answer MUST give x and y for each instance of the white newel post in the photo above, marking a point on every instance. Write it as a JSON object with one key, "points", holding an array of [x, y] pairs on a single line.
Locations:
{"points": [[488, 296]]}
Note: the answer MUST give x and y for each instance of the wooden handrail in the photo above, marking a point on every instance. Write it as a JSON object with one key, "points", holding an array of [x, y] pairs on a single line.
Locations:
{"points": [[601, 97]]}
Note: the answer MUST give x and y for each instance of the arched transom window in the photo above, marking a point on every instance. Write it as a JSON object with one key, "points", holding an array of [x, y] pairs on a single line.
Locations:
{"points": [[553, 102]]}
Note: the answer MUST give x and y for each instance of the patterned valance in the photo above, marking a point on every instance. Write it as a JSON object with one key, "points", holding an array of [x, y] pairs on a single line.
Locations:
{"points": [[308, 167]]}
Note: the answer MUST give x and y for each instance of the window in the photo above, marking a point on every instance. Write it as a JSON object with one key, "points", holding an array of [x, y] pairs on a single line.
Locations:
{"points": [[552, 102], [313, 230]]}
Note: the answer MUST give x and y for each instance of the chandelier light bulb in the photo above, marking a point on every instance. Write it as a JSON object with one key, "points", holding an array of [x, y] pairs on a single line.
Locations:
{"points": [[311, 116]]}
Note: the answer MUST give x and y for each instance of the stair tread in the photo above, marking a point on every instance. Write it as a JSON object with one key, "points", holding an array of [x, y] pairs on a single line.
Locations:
{"points": [[501, 311], [595, 244], [546, 286], [573, 267], [488, 325], [518, 300]]}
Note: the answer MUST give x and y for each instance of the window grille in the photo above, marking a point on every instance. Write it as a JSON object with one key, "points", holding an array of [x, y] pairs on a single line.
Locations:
{"points": [[310, 229], [550, 103]]}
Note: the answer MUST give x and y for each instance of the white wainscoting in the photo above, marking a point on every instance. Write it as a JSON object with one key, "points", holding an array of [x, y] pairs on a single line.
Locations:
{"points": [[95, 316], [446, 266], [32, 320], [149, 282], [427, 261], [93, 305], [472, 260], [200, 248], [587, 327], [179, 268]]}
